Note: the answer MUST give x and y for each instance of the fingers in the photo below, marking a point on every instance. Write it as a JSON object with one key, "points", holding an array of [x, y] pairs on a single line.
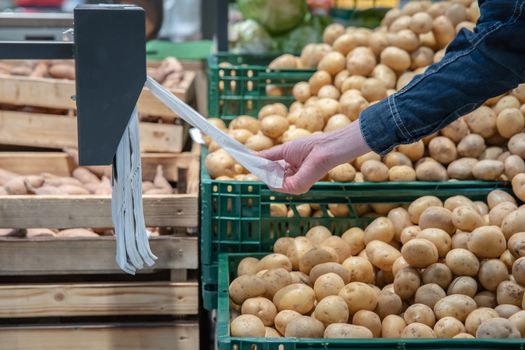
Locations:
{"points": [[274, 153], [304, 178]]}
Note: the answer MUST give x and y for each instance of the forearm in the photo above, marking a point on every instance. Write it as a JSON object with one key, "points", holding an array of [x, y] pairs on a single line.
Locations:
{"points": [[477, 66]]}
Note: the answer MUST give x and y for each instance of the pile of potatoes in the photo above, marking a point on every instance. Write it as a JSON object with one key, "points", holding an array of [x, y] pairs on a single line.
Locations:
{"points": [[169, 73], [431, 269], [357, 67], [83, 181]]}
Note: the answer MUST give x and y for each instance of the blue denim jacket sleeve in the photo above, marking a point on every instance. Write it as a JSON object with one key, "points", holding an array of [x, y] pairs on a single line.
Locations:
{"points": [[477, 66]]}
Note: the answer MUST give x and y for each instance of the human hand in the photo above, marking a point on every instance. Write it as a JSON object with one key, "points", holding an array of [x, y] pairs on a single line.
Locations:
{"points": [[310, 158]]}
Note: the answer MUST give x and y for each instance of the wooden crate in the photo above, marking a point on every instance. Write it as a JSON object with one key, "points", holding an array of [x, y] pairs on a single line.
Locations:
{"points": [[108, 336], [57, 93], [59, 131]]}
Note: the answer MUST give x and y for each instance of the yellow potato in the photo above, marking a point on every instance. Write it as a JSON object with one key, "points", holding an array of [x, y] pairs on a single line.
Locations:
{"points": [[297, 297], [360, 269], [406, 282], [275, 260], [509, 292], [328, 284], [246, 286], [448, 327], [420, 252], [275, 279], [465, 285], [419, 313], [283, 318], [466, 218], [438, 273], [381, 229], [344, 330], [429, 294], [497, 328], [369, 320], [304, 327], [439, 238], [487, 242], [418, 330], [392, 326], [462, 262], [261, 307], [382, 255], [477, 317], [247, 266], [355, 238], [491, 273], [324, 268], [359, 296], [317, 256], [247, 326], [418, 206], [437, 217], [388, 303], [331, 309], [456, 305]]}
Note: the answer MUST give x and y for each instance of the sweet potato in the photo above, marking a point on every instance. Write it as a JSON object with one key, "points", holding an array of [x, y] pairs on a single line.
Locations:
{"points": [[40, 232], [146, 186], [40, 70], [5, 176], [76, 232], [104, 186], [85, 176], [43, 190], [62, 71], [73, 189], [16, 186], [160, 181], [62, 181]]}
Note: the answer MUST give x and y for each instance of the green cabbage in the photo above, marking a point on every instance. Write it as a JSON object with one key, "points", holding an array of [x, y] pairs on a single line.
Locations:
{"points": [[276, 16], [249, 37]]}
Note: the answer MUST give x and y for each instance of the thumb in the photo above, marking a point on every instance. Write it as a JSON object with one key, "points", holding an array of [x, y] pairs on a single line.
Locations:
{"points": [[274, 153]]}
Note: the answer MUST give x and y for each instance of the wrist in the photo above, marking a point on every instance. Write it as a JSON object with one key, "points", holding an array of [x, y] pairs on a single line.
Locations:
{"points": [[345, 144]]}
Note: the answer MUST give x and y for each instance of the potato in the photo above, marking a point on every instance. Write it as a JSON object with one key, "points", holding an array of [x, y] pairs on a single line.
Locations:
{"points": [[259, 142], [373, 89], [439, 238], [518, 270], [295, 251], [392, 326], [401, 173], [361, 61], [448, 327], [471, 145], [328, 92], [219, 163], [497, 328], [275, 279], [437, 217], [335, 122], [333, 62], [443, 31], [318, 80], [247, 326], [442, 149], [275, 260], [516, 243], [414, 151], [383, 208], [438, 273], [463, 285], [328, 284], [456, 305], [518, 185], [381, 254], [285, 61], [485, 299], [360, 269], [345, 43], [301, 91], [299, 277], [419, 252], [404, 39], [359, 161], [317, 234], [395, 58], [378, 42], [331, 309], [316, 256], [271, 333], [491, 273], [283, 318], [518, 320], [418, 330], [498, 213], [294, 133], [463, 336], [332, 32], [496, 197], [386, 75], [351, 86], [429, 294], [507, 310], [310, 119], [453, 202], [510, 122], [304, 327], [421, 23], [273, 109], [355, 239], [487, 242], [489, 170], [482, 121], [344, 330], [282, 244], [297, 297], [430, 170], [400, 220], [516, 144], [247, 266], [342, 173], [246, 286], [358, 296], [511, 224], [508, 259], [456, 130], [509, 292], [368, 319], [261, 307], [477, 317], [417, 207], [400, 23], [506, 102], [462, 262], [374, 171], [406, 282], [514, 166], [388, 303], [419, 313], [381, 229]]}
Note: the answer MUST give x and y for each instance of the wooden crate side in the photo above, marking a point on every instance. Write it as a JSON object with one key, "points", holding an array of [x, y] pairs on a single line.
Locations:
{"points": [[98, 299], [61, 164], [31, 163], [57, 131], [177, 210], [74, 256], [56, 93], [158, 336]]}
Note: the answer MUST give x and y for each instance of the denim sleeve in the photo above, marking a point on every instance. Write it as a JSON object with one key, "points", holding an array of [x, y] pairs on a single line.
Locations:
{"points": [[477, 66]]}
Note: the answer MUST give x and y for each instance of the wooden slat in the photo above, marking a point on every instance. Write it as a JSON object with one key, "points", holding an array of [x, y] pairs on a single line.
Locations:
{"points": [[177, 210], [154, 336], [55, 93], [55, 256], [61, 164], [31, 163], [99, 299], [57, 131]]}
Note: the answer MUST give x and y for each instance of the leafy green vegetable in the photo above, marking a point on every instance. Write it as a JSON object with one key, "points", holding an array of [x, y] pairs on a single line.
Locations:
{"points": [[249, 37], [310, 31], [276, 16]]}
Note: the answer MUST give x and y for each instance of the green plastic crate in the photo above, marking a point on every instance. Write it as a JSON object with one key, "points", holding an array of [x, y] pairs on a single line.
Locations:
{"points": [[240, 88], [228, 266], [235, 215]]}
